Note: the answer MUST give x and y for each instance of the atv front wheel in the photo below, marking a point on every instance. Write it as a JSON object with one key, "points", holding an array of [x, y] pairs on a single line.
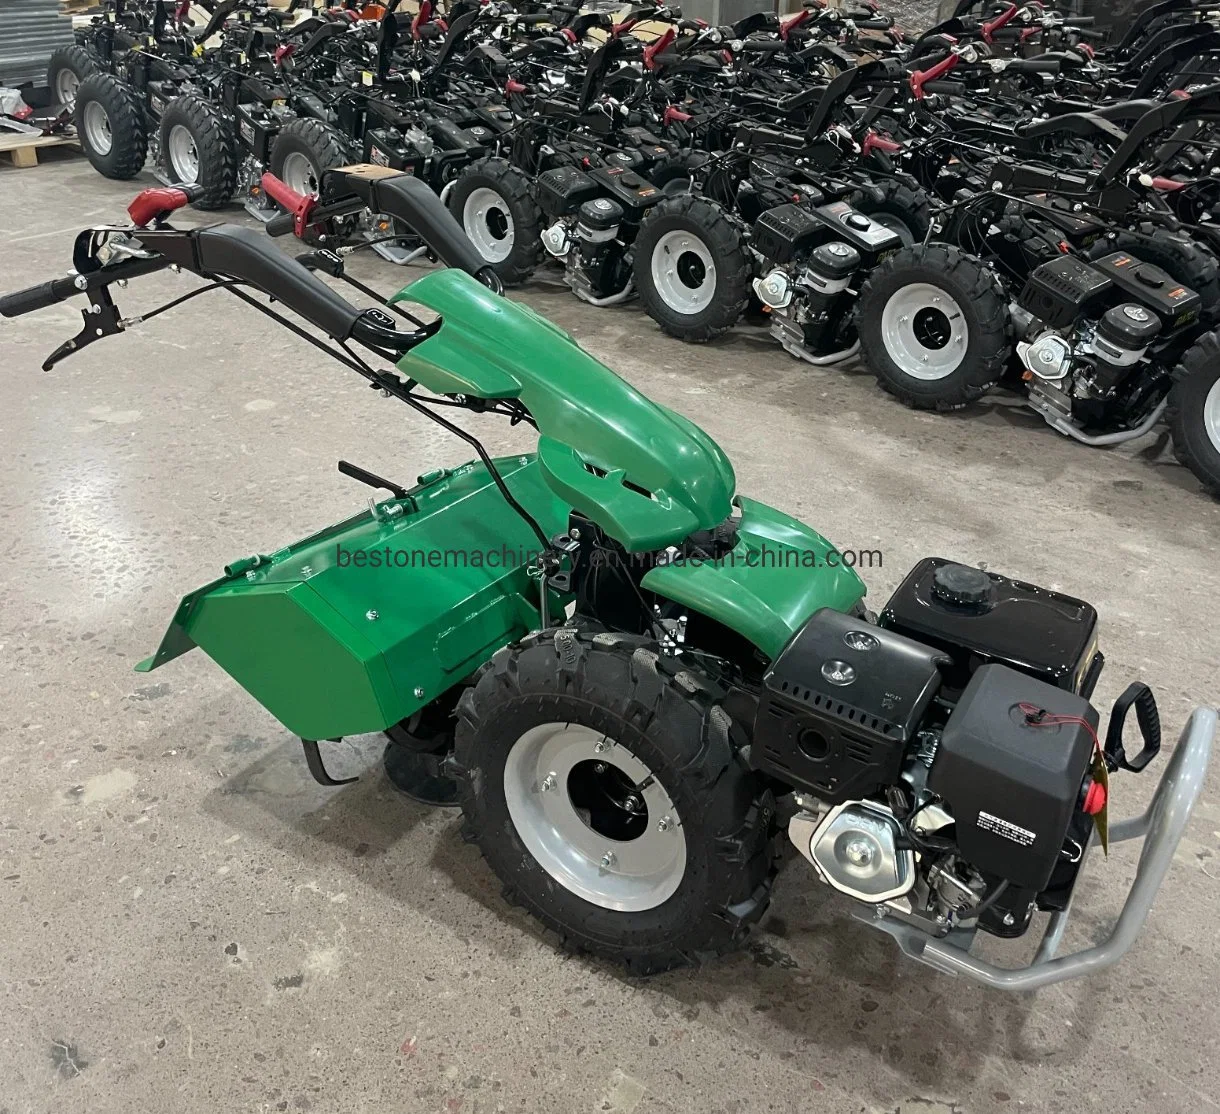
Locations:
{"points": [[933, 327], [69, 66], [110, 126], [1194, 411], [492, 202], [304, 150], [198, 146], [900, 208], [602, 783], [691, 268]]}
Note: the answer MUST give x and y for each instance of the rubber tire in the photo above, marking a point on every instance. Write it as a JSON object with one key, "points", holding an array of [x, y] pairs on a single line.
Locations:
{"points": [[1194, 378], [325, 147], [215, 146], [981, 297], [906, 203], [75, 58], [514, 188], [672, 719], [1182, 259], [725, 244], [128, 131]]}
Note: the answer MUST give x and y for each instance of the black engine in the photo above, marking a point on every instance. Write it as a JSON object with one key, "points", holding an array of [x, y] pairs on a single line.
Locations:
{"points": [[944, 756]]}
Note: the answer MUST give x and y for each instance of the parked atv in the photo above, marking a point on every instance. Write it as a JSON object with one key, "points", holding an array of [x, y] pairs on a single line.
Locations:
{"points": [[643, 706]]}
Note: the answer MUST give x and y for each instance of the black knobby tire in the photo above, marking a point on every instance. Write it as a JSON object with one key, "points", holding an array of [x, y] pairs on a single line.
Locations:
{"points": [[75, 60], [516, 202], [672, 721], [102, 93], [1195, 378], [1182, 259], [985, 326], [904, 209], [215, 147], [325, 148], [723, 243]]}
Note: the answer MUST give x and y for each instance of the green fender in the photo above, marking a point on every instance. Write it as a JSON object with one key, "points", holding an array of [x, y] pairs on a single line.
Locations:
{"points": [[648, 476], [779, 573]]}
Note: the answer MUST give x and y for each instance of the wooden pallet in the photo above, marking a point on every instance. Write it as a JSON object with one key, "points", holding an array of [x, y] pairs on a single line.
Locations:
{"points": [[23, 149]]}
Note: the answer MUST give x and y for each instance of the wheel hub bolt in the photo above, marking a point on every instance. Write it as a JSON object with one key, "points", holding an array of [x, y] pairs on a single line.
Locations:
{"points": [[549, 782], [608, 859], [599, 767], [664, 824]]}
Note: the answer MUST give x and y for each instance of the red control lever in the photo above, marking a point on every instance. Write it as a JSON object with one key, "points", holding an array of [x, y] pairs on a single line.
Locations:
{"points": [[933, 73], [657, 46], [299, 205], [156, 204], [1002, 20], [792, 24]]}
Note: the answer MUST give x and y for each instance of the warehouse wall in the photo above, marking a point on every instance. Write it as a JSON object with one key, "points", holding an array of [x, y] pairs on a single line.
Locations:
{"points": [[29, 31]]}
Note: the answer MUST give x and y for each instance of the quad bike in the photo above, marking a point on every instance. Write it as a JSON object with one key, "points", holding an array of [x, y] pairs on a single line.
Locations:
{"points": [[630, 702]]}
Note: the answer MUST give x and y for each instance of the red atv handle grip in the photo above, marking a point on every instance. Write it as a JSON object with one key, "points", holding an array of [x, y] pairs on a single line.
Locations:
{"points": [[298, 205]]}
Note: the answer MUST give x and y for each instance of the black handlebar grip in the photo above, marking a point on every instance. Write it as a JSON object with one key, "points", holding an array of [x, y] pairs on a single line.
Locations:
{"points": [[763, 46], [1008, 34], [283, 224], [36, 297], [1094, 36], [948, 88], [1034, 65], [1081, 20]]}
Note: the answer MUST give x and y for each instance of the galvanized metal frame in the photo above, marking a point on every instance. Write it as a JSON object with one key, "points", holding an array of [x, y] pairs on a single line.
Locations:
{"points": [[1160, 827]]}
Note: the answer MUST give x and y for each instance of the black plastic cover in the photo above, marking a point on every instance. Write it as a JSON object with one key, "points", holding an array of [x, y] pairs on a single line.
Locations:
{"points": [[835, 260], [1012, 783], [857, 229], [785, 232], [1058, 291], [563, 190], [601, 214], [840, 704], [630, 190], [1152, 287], [1046, 634], [1129, 326]]}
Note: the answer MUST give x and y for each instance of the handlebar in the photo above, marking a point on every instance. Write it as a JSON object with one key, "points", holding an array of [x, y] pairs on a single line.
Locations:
{"points": [[1033, 65], [400, 196], [58, 290]]}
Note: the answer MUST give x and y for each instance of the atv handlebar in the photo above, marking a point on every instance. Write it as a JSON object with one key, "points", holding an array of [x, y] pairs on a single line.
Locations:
{"points": [[37, 297]]}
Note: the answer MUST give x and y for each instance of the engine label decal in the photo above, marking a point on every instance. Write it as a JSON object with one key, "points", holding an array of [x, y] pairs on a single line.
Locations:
{"points": [[1006, 828]]}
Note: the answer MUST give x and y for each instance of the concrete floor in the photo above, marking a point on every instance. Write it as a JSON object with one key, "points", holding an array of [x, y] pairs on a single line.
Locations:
{"points": [[190, 924]]}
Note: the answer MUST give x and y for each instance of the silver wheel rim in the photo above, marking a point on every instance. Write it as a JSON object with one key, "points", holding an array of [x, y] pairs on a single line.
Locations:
{"points": [[683, 272], [1211, 415], [66, 85], [489, 224], [548, 775], [894, 224], [97, 128], [924, 331], [298, 173], [183, 155]]}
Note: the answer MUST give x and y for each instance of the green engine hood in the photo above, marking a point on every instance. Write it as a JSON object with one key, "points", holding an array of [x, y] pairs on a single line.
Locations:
{"points": [[646, 475]]}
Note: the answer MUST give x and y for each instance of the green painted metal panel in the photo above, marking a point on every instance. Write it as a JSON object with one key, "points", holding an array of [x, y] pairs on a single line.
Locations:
{"points": [[356, 627], [779, 573], [648, 476]]}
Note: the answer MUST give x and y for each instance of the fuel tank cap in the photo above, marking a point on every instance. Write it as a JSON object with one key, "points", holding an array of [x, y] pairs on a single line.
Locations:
{"points": [[962, 586]]}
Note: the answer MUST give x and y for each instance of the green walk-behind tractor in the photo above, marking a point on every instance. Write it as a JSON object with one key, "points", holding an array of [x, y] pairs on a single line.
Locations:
{"points": [[635, 680]]}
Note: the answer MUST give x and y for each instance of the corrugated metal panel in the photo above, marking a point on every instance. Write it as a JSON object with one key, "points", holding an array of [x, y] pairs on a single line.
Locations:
{"points": [[30, 30]]}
